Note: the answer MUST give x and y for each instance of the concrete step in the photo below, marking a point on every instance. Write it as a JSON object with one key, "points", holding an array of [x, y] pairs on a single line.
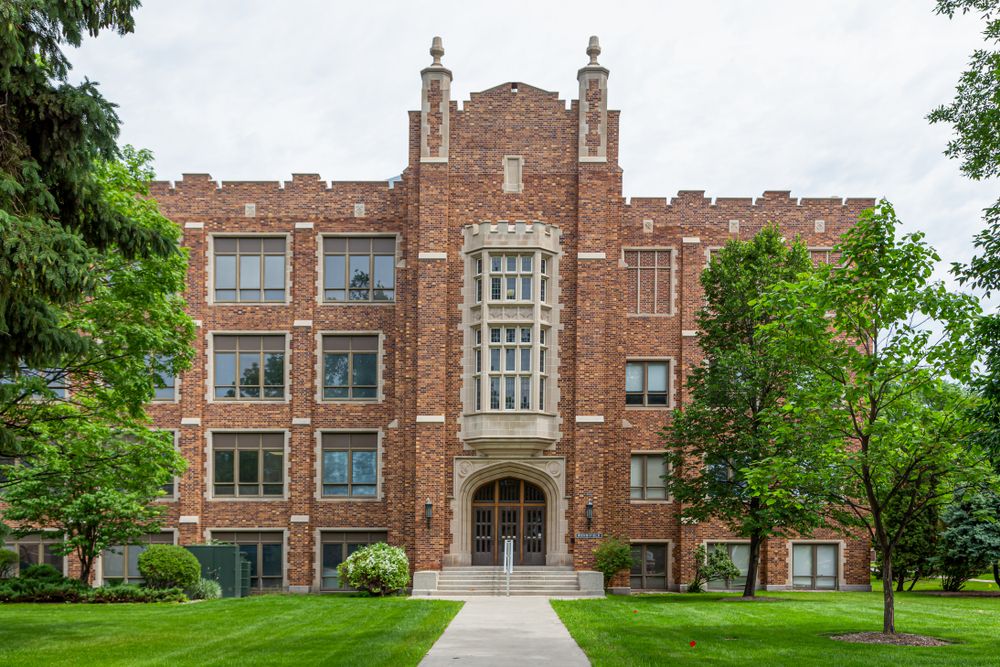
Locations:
{"points": [[518, 568], [525, 576], [527, 592]]}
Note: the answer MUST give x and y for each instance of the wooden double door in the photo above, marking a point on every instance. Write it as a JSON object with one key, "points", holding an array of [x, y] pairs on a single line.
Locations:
{"points": [[508, 508]]}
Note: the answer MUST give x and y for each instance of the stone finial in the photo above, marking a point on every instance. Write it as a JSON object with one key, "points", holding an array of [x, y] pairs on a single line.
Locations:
{"points": [[437, 50], [593, 49]]}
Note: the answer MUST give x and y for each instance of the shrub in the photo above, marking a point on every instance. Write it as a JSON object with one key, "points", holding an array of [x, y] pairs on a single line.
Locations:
{"points": [[611, 557], [205, 589], [715, 565], [42, 572], [169, 566], [26, 589], [378, 569], [970, 541], [8, 559], [130, 593]]}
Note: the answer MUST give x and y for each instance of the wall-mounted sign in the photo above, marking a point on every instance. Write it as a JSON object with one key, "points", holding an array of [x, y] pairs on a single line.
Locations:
{"points": [[589, 536]]}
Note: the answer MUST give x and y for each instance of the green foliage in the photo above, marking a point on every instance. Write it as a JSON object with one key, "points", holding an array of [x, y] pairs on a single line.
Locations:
{"points": [[169, 566], [132, 321], [129, 593], [756, 479], [377, 568], [970, 541], [54, 219], [864, 332], [716, 564], [42, 572], [92, 485], [8, 561], [61, 589], [913, 556], [205, 589], [612, 556]]}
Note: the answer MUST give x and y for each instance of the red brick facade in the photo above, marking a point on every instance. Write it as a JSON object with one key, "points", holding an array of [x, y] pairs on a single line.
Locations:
{"points": [[452, 182]]}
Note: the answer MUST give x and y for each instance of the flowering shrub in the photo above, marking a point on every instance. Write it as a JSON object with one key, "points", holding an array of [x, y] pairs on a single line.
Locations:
{"points": [[378, 569]]}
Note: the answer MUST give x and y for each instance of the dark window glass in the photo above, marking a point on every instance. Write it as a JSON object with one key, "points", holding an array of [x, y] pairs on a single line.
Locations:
{"points": [[121, 563], [647, 383], [248, 464], [359, 269], [350, 367], [239, 362], [649, 567]]}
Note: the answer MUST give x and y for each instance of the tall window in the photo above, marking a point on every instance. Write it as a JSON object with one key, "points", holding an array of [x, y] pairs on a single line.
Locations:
{"points": [[264, 550], [512, 277], [510, 368], [814, 566], [337, 546], [350, 464], [248, 464], [648, 273], [646, 383], [649, 567], [350, 367], [740, 555], [121, 563], [359, 268], [249, 269], [164, 382], [648, 471], [249, 367]]}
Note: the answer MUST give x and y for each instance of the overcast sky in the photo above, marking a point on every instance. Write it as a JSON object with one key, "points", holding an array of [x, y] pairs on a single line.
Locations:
{"points": [[733, 98]]}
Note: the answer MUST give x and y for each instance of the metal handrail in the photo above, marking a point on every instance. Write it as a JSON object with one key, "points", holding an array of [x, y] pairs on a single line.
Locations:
{"points": [[508, 560]]}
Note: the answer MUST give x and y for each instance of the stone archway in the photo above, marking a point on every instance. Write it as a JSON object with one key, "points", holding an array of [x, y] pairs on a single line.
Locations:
{"points": [[548, 473]]}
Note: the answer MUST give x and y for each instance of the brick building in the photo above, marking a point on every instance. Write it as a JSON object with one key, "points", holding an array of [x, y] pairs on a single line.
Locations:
{"points": [[483, 347]]}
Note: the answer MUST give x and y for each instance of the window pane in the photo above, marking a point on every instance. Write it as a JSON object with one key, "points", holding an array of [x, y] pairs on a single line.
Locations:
{"points": [[225, 272], [740, 553], [656, 559], [526, 359], [224, 467], [511, 263], [637, 560], [510, 355], [249, 460], [509, 393], [225, 368], [359, 268], [494, 358], [383, 273], [365, 370], [114, 562], [655, 469], [274, 369], [657, 377], [363, 467], [273, 471], [333, 555], [250, 368], [525, 393], [636, 477], [249, 272], [511, 291], [826, 560], [333, 272], [526, 293], [495, 264], [335, 370], [134, 551], [802, 560], [526, 263], [250, 552], [274, 272], [271, 560], [494, 393], [334, 467], [633, 377]]}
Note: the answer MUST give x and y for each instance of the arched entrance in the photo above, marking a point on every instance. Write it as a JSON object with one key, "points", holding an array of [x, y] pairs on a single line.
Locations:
{"points": [[508, 508]]}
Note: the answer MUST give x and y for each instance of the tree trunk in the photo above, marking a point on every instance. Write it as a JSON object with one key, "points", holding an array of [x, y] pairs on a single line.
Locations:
{"points": [[900, 582], [750, 588], [888, 597], [996, 572]]}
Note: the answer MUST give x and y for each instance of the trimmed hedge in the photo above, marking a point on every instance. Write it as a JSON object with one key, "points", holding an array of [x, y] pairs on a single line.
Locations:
{"points": [[169, 566], [71, 590]]}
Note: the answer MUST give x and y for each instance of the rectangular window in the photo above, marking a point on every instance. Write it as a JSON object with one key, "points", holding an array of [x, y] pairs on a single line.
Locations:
{"points": [[350, 465], [648, 471], [359, 269], [249, 269], [336, 547], [350, 367], [36, 549], [121, 563], [739, 552], [249, 368], [164, 382], [248, 465], [814, 566], [264, 550], [647, 383], [649, 567], [648, 281]]}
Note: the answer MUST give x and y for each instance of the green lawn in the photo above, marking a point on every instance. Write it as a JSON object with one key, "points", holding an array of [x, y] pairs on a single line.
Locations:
{"points": [[268, 629], [935, 584], [658, 629]]}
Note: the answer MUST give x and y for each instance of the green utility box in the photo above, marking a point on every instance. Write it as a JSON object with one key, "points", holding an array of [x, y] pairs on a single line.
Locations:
{"points": [[225, 564]]}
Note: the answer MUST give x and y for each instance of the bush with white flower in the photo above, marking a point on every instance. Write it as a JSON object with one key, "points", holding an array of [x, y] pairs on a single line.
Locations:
{"points": [[378, 568]]}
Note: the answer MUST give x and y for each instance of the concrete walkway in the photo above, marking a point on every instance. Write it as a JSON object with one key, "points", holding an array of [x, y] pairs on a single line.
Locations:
{"points": [[506, 631]]}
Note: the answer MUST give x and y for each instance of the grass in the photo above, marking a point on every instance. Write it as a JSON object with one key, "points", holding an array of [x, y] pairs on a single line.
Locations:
{"points": [[658, 629], [267, 629], [935, 585]]}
